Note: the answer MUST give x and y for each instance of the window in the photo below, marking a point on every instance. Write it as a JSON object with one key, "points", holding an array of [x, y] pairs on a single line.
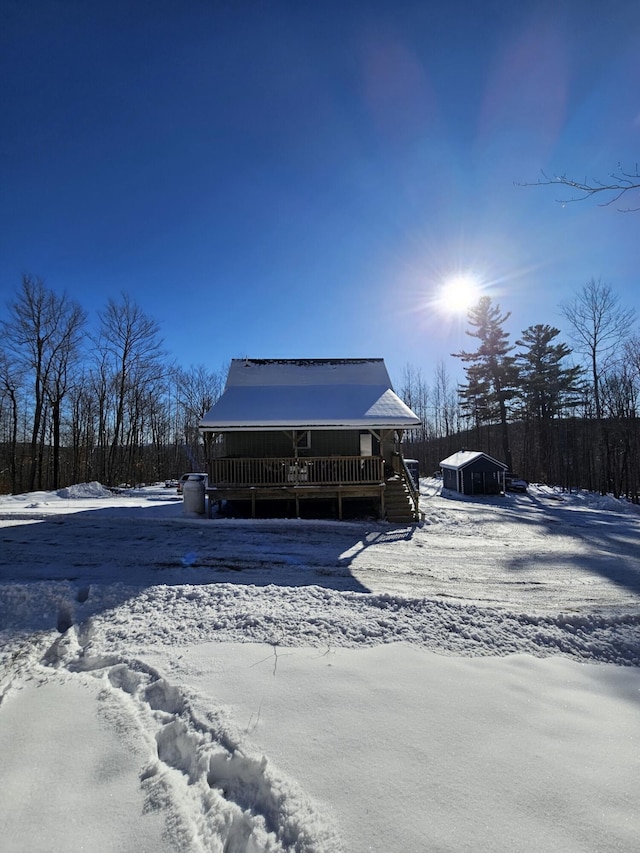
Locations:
{"points": [[303, 439], [366, 444]]}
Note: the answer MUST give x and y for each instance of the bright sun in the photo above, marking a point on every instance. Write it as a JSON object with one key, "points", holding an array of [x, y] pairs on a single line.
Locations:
{"points": [[458, 294]]}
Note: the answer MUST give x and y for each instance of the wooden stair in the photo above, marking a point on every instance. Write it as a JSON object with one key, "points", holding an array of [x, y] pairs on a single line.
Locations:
{"points": [[398, 503]]}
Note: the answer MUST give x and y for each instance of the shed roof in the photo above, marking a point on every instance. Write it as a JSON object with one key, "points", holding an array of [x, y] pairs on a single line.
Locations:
{"points": [[465, 457], [308, 394]]}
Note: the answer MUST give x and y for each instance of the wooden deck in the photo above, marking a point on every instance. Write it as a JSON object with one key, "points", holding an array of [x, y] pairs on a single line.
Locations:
{"points": [[314, 478], [290, 478]]}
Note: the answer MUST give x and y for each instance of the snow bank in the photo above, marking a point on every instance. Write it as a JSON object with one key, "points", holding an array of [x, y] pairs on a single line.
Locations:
{"points": [[85, 490], [126, 618]]}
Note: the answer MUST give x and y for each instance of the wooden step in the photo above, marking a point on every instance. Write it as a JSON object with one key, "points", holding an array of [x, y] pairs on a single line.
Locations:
{"points": [[398, 503]]}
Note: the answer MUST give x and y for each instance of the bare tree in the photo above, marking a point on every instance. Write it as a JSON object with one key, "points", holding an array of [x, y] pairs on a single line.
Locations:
{"points": [[620, 408], [11, 380], [198, 388], [43, 328], [632, 364], [599, 327], [82, 433], [445, 402], [414, 391], [632, 356], [130, 345], [60, 378]]}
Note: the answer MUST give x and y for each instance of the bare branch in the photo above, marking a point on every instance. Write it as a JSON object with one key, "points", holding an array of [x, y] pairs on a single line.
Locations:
{"points": [[619, 184]]}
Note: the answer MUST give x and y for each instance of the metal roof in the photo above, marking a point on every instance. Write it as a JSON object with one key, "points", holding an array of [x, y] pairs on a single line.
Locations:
{"points": [[465, 457], [308, 394]]}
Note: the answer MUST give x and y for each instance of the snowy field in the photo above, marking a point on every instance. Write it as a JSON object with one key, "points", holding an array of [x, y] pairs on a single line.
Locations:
{"points": [[175, 683]]}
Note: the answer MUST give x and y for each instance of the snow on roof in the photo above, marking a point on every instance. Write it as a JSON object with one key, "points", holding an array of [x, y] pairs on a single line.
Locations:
{"points": [[465, 457], [308, 394], [307, 371]]}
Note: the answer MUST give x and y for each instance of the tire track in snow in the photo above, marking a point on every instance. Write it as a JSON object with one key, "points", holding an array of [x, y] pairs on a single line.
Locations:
{"points": [[216, 796]]}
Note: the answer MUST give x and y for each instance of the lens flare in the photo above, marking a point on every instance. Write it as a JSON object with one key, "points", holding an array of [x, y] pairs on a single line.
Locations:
{"points": [[458, 294]]}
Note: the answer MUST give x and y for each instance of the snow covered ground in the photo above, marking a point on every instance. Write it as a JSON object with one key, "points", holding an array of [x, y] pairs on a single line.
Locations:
{"points": [[174, 683]]}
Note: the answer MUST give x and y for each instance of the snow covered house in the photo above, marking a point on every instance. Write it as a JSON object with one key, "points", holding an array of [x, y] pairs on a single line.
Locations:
{"points": [[471, 472], [310, 430]]}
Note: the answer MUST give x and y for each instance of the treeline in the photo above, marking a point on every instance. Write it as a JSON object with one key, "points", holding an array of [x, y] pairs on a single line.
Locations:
{"points": [[110, 405], [554, 412], [77, 406]]}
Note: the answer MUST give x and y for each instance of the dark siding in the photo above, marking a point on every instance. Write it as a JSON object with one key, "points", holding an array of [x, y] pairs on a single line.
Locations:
{"points": [[338, 443], [481, 477], [450, 479], [258, 444], [278, 444], [483, 465]]}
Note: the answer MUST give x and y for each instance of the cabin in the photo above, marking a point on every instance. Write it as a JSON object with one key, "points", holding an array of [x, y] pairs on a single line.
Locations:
{"points": [[309, 430], [473, 473]]}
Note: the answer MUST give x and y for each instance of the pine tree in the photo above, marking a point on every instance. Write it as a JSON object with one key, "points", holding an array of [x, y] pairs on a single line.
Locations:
{"points": [[491, 372], [547, 387]]}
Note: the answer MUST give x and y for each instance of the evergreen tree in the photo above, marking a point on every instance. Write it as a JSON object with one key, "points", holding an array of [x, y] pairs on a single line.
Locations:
{"points": [[491, 372], [547, 387]]}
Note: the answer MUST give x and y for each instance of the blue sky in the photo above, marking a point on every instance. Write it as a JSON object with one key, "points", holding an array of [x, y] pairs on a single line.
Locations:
{"points": [[293, 179]]}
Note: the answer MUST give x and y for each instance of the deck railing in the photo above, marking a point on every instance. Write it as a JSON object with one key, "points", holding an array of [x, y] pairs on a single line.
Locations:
{"points": [[289, 471]]}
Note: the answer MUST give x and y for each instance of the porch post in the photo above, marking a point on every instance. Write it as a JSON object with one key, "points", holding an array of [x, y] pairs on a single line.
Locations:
{"points": [[208, 438]]}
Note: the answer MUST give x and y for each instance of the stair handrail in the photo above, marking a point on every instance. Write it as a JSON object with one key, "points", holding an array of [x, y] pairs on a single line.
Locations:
{"points": [[414, 492]]}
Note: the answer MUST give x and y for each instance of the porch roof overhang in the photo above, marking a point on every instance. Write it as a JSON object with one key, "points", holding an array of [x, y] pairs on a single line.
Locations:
{"points": [[320, 407]]}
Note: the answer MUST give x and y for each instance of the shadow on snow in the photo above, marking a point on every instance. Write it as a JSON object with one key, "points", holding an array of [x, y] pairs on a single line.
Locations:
{"points": [[603, 544], [128, 549]]}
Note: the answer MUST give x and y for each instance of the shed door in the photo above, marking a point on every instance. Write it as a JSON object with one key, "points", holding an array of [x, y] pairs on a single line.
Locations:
{"points": [[477, 482]]}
